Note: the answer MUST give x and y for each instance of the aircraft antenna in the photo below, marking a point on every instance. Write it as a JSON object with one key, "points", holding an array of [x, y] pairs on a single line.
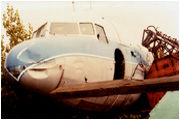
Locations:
{"points": [[73, 6], [90, 5]]}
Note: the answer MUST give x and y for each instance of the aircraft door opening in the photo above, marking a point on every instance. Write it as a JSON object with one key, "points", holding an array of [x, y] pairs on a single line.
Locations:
{"points": [[119, 65]]}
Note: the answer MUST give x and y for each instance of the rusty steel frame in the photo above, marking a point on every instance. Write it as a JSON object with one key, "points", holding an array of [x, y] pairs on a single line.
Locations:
{"points": [[158, 43], [165, 50]]}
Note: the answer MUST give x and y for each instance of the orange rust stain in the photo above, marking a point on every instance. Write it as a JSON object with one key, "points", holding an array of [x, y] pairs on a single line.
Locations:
{"points": [[166, 66]]}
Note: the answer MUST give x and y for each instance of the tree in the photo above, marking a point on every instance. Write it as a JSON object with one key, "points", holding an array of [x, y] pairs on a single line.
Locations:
{"points": [[15, 31], [3, 55]]}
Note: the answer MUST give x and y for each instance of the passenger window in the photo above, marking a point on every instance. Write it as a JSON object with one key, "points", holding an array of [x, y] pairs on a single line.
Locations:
{"points": [[87, 28], [101, 33]]}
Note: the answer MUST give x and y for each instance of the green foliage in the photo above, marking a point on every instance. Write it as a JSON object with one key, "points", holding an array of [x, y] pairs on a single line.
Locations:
{"points": [[15, 31], [3, 55]]}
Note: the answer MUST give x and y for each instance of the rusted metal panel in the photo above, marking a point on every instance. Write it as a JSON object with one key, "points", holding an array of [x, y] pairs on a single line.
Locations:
{"points": [[166, 66], [165, 50]]}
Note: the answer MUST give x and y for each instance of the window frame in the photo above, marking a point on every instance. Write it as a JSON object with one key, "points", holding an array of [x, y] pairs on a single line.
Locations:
{"points": [[87, 23], [34, 34], [66, 23], [106, 41], [39, 31]]}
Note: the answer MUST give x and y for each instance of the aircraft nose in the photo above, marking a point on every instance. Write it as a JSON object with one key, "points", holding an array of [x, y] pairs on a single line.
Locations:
{"points": [[25, 59], [43, 78], [26, 64], [24, 55], [20, 57]]}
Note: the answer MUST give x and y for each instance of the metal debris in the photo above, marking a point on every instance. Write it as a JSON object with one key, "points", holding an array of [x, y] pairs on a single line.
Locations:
{"points": [[158, 43]]}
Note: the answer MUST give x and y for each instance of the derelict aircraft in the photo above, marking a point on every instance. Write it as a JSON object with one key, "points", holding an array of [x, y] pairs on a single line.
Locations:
{"points": [[76, 49]]}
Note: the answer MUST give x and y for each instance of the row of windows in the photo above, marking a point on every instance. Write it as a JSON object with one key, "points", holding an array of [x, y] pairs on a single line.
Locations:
{"points": [[72, 29]]}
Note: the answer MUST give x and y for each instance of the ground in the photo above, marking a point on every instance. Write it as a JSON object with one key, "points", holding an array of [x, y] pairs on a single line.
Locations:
{"points": [[16, 103]]}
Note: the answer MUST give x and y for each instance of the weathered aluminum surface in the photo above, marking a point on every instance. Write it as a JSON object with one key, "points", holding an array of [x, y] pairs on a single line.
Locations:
{"points": [[49, 61]]}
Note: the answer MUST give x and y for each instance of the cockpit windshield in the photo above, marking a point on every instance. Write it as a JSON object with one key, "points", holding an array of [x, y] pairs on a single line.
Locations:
{"points": [[64, 28], [86, 28]]}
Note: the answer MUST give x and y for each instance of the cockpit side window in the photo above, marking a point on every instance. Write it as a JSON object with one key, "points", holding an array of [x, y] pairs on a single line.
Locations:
{"points": [[64, 28], [86, 28], [41, 31], [101, 33], [34, 34]]}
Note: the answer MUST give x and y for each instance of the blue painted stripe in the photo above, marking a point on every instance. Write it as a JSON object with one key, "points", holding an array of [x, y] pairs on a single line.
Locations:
{"points": [[45, 48]]}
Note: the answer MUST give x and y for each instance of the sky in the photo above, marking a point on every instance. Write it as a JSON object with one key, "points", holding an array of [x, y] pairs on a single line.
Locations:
{"points": [[131, 16]]}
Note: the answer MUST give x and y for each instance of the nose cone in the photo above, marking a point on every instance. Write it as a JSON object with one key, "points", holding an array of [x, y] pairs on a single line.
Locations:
{"points": [[20, 57], [26, 64], [28, 53], [35, 50], [24, 60], [43, 78]]}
